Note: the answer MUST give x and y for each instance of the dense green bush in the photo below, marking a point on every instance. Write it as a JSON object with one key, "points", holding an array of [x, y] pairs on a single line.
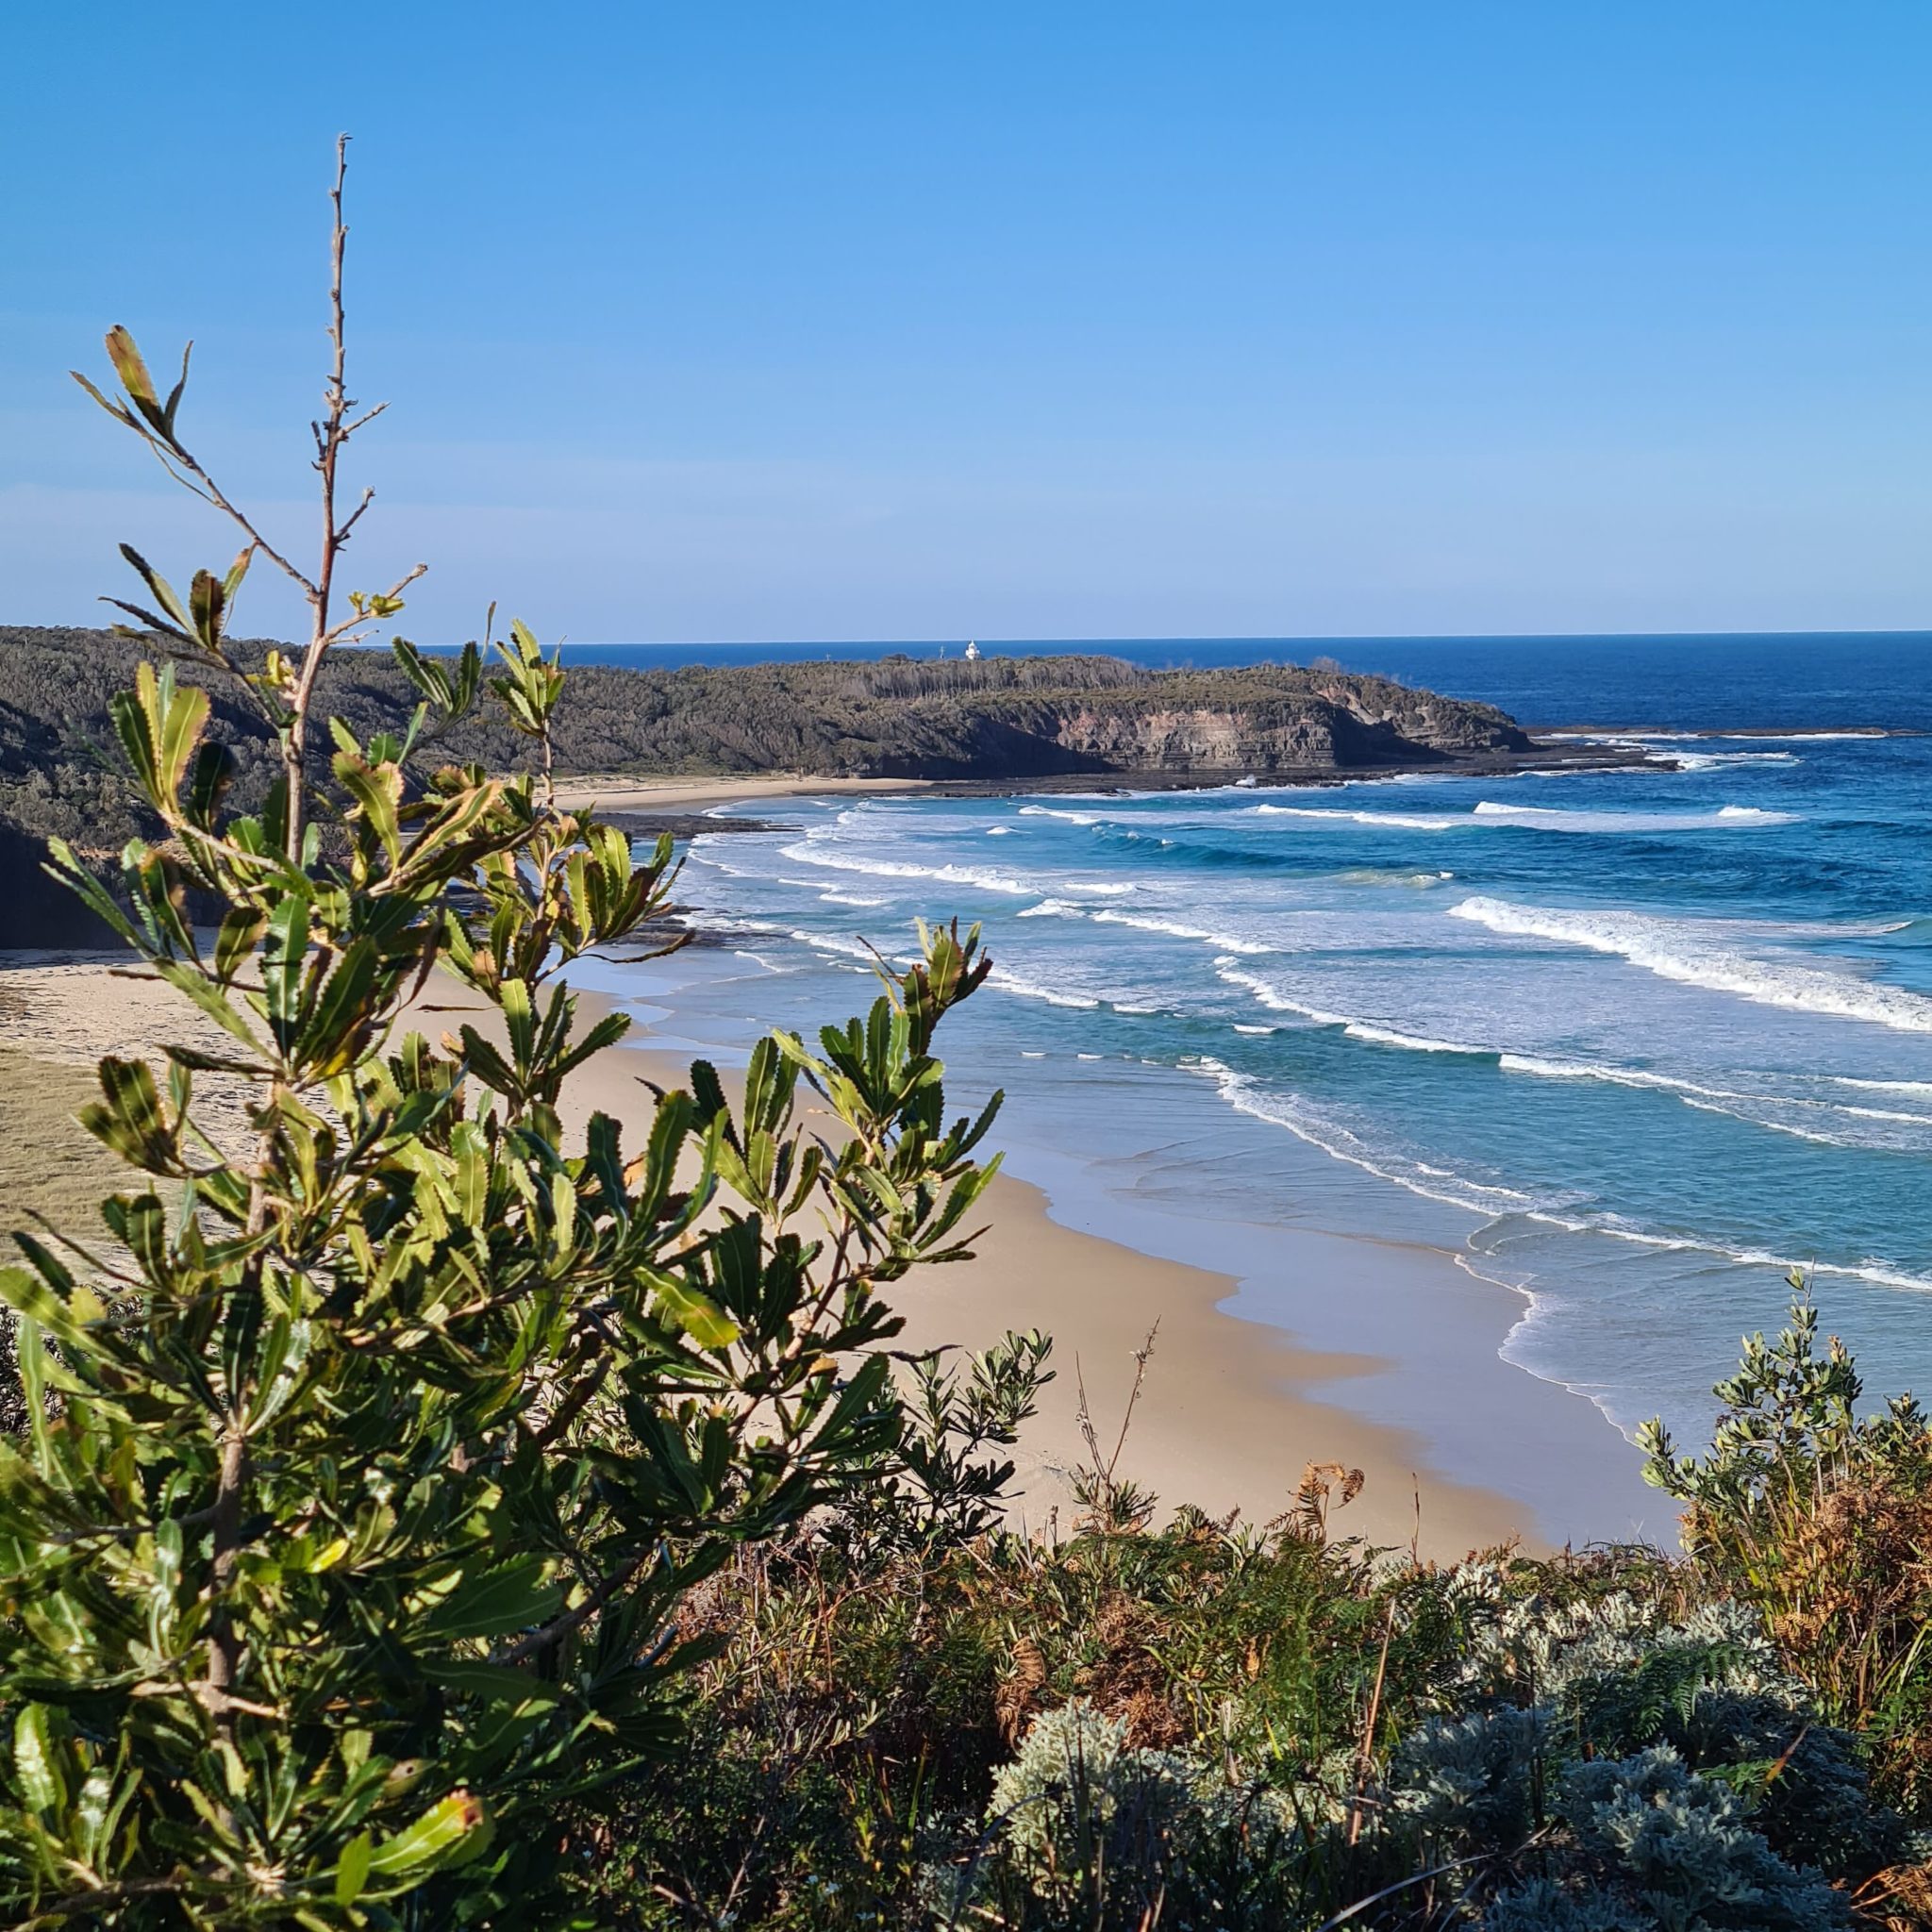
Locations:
{"points": [[365, 1481]]}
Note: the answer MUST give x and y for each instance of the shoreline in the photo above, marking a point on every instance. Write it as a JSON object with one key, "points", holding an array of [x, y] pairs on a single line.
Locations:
{"points": [[1406, 1378], [1404, 1373], [622, 794], [1230, 1411], [1234, 1407]]}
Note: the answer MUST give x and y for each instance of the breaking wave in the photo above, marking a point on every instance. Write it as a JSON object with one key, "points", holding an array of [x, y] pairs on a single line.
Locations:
{"points": [[1692, 953]]}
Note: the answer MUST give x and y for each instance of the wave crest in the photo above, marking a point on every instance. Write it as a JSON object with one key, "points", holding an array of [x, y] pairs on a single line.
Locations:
{"points": [[1692, 954]]}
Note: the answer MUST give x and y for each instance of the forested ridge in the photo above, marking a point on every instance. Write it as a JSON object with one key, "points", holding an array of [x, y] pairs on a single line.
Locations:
{"points": [[996, 719]]}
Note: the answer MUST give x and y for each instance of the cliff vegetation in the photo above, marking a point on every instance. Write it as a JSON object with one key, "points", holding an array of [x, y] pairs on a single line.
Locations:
{"points": [[995, 720]]}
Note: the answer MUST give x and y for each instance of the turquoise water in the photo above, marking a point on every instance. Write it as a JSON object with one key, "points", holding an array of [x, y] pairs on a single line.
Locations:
{"points": [[1632, 1042]]}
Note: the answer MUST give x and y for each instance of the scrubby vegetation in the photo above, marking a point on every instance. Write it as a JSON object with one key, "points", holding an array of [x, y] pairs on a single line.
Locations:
{"points": [[1211, 1725], [409, 1519]]}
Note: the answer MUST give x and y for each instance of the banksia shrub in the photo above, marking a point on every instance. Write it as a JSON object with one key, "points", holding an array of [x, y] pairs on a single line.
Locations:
{"points": [[1822, 1517]]}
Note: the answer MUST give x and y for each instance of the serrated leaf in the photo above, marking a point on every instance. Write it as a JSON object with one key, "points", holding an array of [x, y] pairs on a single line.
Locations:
{"points": [[378, 790], [36, 1761], [241, 930], [692, 1310], [206, 995], [457, 1826]]}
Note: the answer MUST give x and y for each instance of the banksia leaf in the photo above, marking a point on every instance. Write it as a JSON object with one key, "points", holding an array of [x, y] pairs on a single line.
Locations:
{"points": [[457, 1827], [214, 769], [128, 365], [36, 1761], [129, 1117], [241, 928], [378, 790], [282, 962], [692, 1310], [174, 394], [159, 728], [351, 1868], [206, 995], [510, 1597], [159, 588]]}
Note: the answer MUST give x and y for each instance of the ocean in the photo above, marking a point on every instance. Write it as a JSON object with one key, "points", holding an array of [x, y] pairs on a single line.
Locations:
{"points": [[1632, 1043]]}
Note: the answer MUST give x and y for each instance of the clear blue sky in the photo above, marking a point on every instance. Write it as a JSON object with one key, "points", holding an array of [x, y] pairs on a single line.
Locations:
{"points": [[842, 321]]}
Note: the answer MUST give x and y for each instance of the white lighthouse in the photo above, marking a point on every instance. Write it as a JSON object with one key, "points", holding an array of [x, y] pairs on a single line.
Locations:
{"points": [[972, 651]]}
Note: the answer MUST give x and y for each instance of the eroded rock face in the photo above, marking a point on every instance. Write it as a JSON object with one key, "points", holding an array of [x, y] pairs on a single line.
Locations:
{"points": [[1336, 726], [1189, 740]]}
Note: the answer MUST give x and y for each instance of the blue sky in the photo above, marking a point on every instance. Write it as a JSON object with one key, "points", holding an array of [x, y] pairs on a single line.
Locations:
{"points": [[1017, 320]]}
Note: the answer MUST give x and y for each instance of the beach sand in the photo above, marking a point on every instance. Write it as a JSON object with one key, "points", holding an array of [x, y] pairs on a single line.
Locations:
{"points": [[619, 793], [1230, 1411]]}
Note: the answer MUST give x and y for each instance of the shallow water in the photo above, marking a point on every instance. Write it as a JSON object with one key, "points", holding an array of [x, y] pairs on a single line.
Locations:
{"points": [[1633, 1042]]}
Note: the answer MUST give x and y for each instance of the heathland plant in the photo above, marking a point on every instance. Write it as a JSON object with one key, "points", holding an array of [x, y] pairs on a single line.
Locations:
{"points": [[368, 1469], [1821, 1516]]}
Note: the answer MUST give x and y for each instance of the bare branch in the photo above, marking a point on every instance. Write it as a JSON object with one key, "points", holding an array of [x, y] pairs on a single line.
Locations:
{"points": [[355, 516], [367, 416]]}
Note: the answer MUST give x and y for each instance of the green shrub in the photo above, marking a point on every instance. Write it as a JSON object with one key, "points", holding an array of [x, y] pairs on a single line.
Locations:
{"points": [[1819, 1515], [360, 1508]]}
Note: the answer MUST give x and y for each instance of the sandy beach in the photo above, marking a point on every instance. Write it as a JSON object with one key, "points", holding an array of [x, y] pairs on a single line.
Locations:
{"points": [[620, 793], [1230, 1411]]}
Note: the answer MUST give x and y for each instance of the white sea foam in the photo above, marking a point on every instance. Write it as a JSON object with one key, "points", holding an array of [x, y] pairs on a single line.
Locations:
{"points": [[1779, 1118], [1372, 876], [1715, 760], [1410, 1042], [1546, 1069], [834, 943], [1553, 819], [1173, 929], [1048, 811], [1702, 953], [1226, 971], [1277, 1001], [1033, 989], [1870, 1269], [1795, 737], [1245, 1095], [1391, 821], [812, 852]]}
